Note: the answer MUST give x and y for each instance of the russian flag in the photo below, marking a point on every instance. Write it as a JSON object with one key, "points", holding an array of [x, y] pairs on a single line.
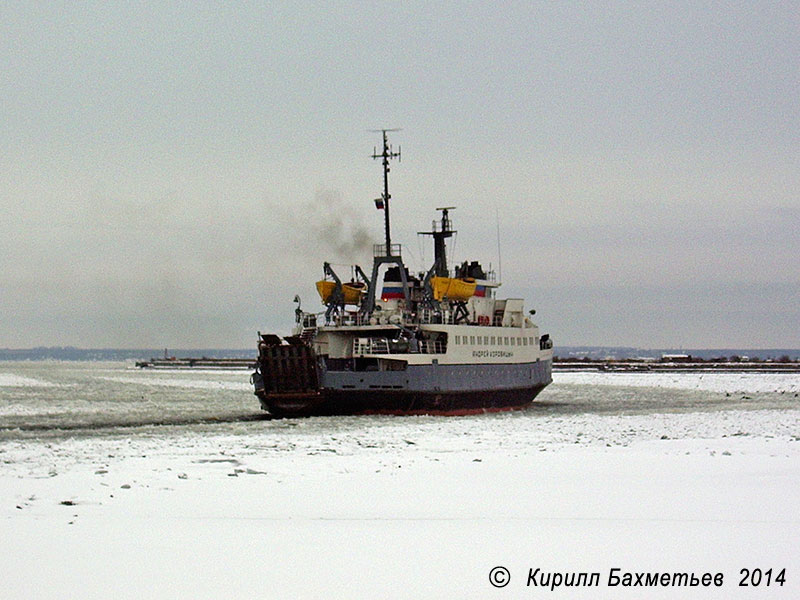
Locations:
{"points": [[392, 293], [480, 291]]}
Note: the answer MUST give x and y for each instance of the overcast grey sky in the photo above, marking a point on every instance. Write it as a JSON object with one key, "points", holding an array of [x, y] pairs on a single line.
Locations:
{"points": [[170, 172]]}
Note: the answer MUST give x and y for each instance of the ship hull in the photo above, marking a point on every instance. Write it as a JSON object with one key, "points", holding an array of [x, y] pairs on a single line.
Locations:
{"points": [[515, 387], [338, 402]]}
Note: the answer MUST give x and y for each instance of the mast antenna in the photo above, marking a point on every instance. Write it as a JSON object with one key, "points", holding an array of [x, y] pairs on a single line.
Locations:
{"points": [[499, 253], [387, 154]]}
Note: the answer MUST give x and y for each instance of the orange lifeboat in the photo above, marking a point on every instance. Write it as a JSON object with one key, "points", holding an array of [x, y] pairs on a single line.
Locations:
{"points": [[453, 289], [352, 291]]}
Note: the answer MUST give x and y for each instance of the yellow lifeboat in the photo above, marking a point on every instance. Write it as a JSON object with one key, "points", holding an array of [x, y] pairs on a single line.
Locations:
{"points": [[352, 291], [453, 289]]}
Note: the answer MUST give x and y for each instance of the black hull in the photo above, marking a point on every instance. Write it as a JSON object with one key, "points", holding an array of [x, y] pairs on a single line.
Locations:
{"points": [[400, 402]]}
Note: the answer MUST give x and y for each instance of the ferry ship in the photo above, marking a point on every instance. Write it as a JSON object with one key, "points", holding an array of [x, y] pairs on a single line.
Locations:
{"points": [[435, 342]]}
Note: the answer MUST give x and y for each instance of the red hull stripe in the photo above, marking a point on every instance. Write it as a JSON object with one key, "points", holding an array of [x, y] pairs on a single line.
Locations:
{"points": [[458, 412]]}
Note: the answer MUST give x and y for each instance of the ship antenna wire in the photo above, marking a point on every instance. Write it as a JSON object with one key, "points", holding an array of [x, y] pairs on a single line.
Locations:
{"points": [[499, 254]]}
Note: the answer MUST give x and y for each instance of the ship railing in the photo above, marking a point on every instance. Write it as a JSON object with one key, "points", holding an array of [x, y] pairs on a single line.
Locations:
{"points": [[432, 347], [379, 250], [430, 317], [370, 346], [352, 318], [490, 275], [393, 318], [381, 346]]}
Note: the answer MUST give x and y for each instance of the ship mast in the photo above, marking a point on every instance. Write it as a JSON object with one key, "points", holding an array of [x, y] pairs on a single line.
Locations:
{"points": [[385, 256], [439, 237], [387, 154]]}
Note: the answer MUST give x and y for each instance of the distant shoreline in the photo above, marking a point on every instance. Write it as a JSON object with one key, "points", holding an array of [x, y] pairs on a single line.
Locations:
{"points": [[119, 354], [669, 366], [563, 354]]}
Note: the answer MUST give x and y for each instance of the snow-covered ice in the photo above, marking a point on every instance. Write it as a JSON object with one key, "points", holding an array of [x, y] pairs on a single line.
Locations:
{"points": [[706, 381], [159, 378], [407, 507], [14, 380]]}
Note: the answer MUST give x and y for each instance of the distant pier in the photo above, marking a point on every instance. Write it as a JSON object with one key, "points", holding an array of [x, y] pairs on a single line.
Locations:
{"points": [[197, 363]]}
